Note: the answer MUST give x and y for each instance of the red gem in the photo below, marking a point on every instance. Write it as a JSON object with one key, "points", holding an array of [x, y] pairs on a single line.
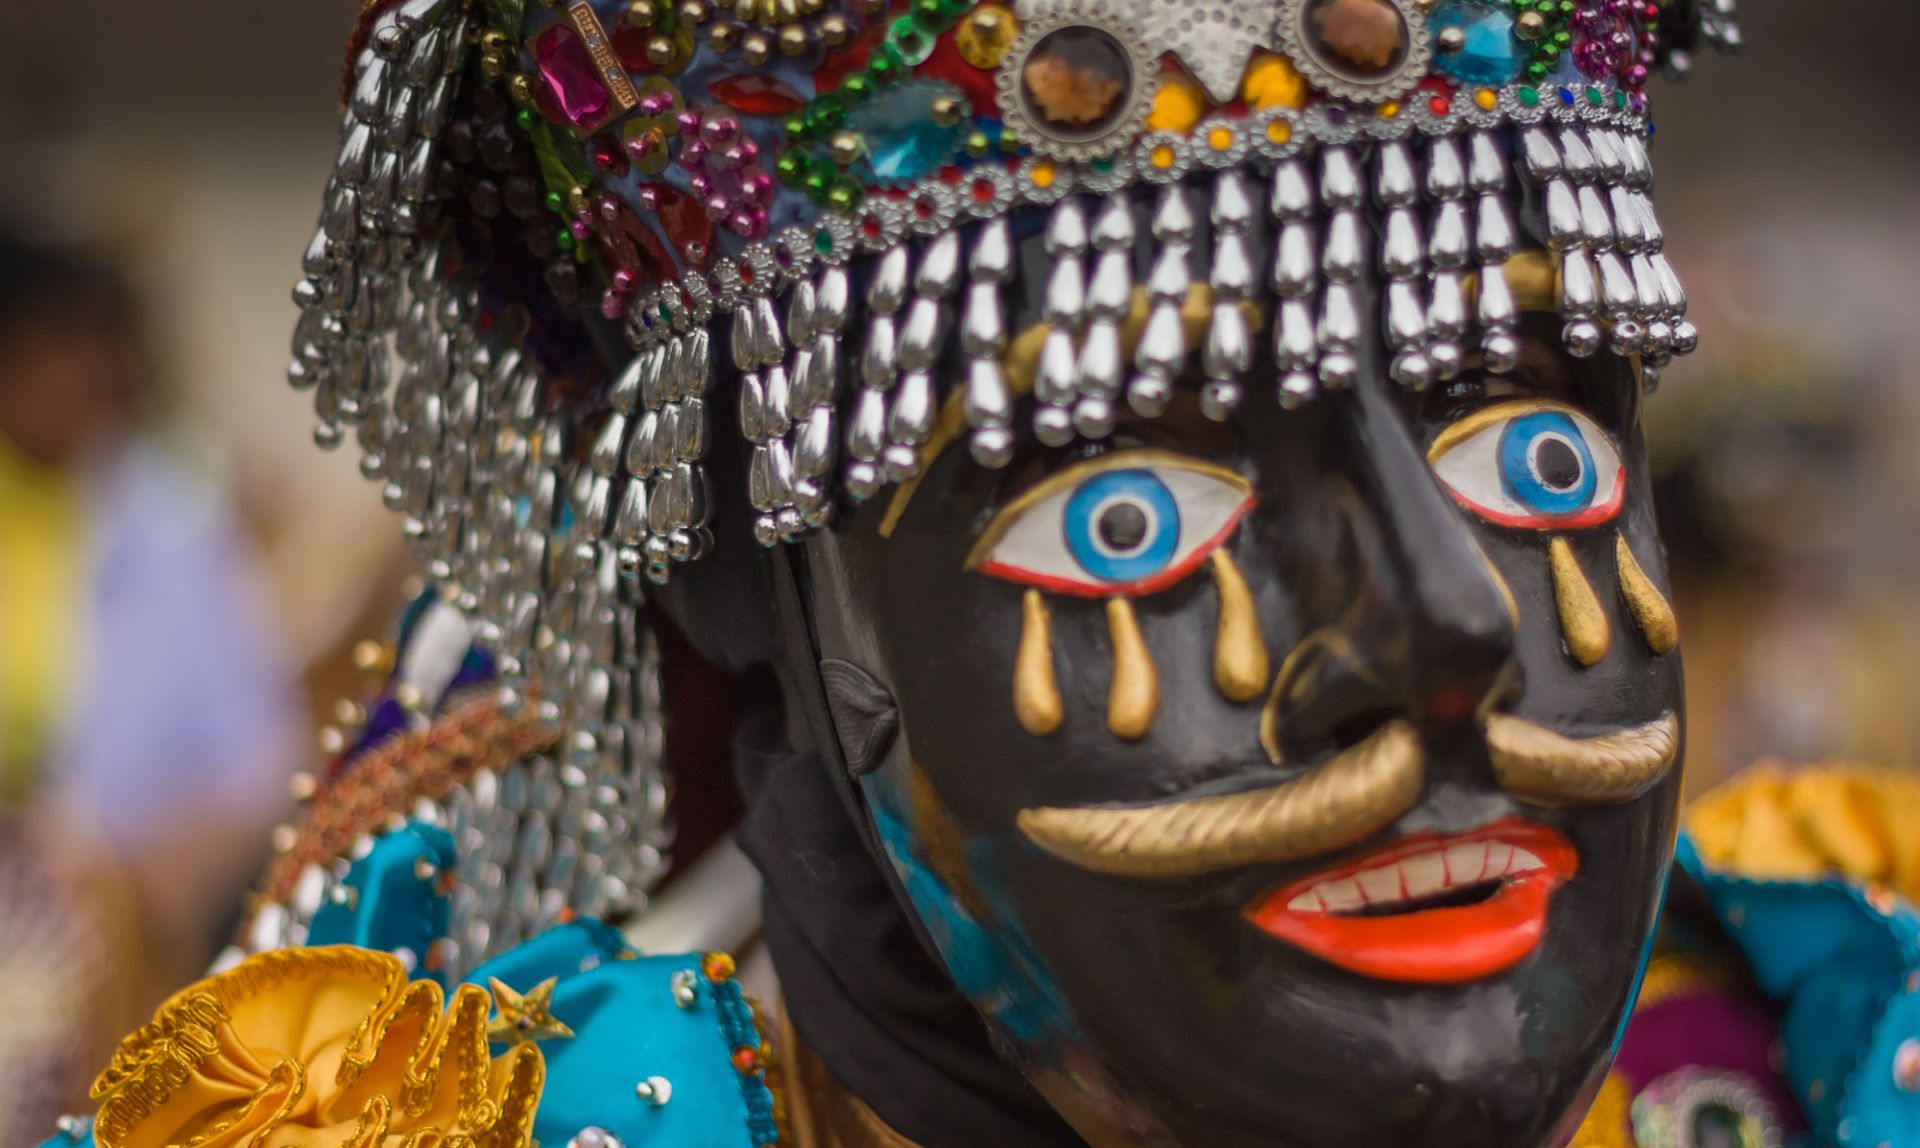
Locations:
{"points": [[746, 272], [871, 227], [683, 219], [607, 155], [746, 1060], [756, 95], [630, 44], [983, 191], [1440, 105]]}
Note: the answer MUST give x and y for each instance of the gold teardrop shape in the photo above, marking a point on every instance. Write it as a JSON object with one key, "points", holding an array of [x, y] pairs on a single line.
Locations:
{"points": [[1649, 606], [1134, 697], [1582, 620], [1036, 695], [1240, 664]]}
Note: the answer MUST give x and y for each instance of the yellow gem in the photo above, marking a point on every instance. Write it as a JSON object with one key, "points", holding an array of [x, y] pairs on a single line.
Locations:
{"points": [[1162, 157], [1043, 175], [985, 35], [1178, 105], [1279, 131], [1273, 82], [522, 1017], [1390, 109], [1220, 139], [1486, 98]]}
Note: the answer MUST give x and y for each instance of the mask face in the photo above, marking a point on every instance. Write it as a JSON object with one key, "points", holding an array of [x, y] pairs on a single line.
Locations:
{"points": [[1304, 778]]}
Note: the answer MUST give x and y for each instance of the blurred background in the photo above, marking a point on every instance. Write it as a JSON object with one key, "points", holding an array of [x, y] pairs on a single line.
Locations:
{"points": [[179, 149]]}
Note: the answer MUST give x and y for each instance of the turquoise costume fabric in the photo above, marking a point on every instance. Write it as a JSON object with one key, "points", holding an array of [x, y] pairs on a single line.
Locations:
{"points": [[1844, 958]]}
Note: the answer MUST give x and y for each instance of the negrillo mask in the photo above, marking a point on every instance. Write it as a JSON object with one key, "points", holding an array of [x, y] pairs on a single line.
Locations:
{"points": [[1196, 450]]}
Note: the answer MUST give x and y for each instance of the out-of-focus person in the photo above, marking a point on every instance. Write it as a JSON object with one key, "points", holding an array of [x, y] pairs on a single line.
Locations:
{"points": [[148, 724]]}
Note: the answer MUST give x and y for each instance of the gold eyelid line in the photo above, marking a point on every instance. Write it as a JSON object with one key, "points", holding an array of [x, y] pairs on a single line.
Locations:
{"points": [[1469, 425], [1119, 460]]}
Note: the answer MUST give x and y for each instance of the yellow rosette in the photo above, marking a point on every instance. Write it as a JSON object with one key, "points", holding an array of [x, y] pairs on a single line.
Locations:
{"points": [[318, 1048]]}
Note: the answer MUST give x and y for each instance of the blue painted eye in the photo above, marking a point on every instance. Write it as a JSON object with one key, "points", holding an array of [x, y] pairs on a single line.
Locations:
{"points": [[1122, 526], [1126, 524], [1546, 463], [1531, 464]]}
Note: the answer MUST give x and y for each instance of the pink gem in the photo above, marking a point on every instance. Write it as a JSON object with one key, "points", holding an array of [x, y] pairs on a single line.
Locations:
{"points": [[623, 280], [611, 305], [571, 76]]}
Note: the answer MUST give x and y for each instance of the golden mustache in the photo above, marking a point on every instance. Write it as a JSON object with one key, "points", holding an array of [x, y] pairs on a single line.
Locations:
{"points": [[1364, 789], [1533, 762]]}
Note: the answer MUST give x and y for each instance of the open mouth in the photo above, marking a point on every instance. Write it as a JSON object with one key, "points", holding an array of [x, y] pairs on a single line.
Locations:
{"points": [[1427, 909]]}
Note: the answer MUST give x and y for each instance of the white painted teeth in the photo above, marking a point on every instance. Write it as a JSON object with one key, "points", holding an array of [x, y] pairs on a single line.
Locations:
{"points": [[1419, 876]]}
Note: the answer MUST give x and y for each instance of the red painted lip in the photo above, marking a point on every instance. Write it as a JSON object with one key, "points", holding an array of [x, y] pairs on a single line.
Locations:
{"points": [[1427, 946]]}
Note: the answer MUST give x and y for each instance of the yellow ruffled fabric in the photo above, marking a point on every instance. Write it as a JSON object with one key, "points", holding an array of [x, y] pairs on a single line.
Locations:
{"points": [[332, 1047], [1773, 823]]}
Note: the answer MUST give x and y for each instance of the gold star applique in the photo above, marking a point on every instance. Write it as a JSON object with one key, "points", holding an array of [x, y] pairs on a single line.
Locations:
{"points": [[519, 1018]]}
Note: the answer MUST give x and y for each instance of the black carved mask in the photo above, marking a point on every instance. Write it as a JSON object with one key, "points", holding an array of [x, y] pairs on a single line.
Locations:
{"points": [[1302, 778]]}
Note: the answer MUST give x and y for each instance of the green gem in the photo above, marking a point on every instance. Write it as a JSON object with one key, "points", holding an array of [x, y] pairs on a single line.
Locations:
{"points": [[817, 183], [795, 126], [1620, 100], [1536, 72], [556, 202], [909, 39], [885, 65], [823, 242], [1596, 97], [563, 239], [825, 114], [858, 87], [526, 119], [1529, 97], [932, 14], [846, 195], [792, 167]]}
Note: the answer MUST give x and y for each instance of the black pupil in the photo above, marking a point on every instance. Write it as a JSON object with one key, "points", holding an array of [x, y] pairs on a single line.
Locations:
{"points": [[1557, 464], [1123, 526]]}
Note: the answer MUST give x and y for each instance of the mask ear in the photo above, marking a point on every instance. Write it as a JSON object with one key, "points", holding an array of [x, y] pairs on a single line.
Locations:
{"points": [[865, 716]]}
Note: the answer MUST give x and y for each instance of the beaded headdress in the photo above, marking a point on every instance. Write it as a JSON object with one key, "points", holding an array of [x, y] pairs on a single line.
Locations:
{"points": [[838, 196]]}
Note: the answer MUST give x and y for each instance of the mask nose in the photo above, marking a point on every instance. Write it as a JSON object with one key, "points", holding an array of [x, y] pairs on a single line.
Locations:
{"points": [[1426, 628]]}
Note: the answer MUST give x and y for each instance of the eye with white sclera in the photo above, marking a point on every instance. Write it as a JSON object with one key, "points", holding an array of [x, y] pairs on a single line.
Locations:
{"points": [[1532, 465], [1123, 525]]}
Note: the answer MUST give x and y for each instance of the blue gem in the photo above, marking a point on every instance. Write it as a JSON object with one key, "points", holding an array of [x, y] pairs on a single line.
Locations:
{"points": [[904, 141], [1492, 55]]}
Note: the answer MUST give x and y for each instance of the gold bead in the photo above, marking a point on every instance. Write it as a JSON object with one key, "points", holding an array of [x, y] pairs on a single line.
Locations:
{"points": [[793, 39], [348, 712], [332, 741], [949, 110], [986, 34], [756, 48], [640, 14], [834, 30], [977, 144], [285, 837], [408, 695], [520, 89], [1451, 40], [1530, 26], [370, 657], [577, 201], [660, 51], [1009, 140], [303, 786], [845, 148], [724, 37], [694, 13]]}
